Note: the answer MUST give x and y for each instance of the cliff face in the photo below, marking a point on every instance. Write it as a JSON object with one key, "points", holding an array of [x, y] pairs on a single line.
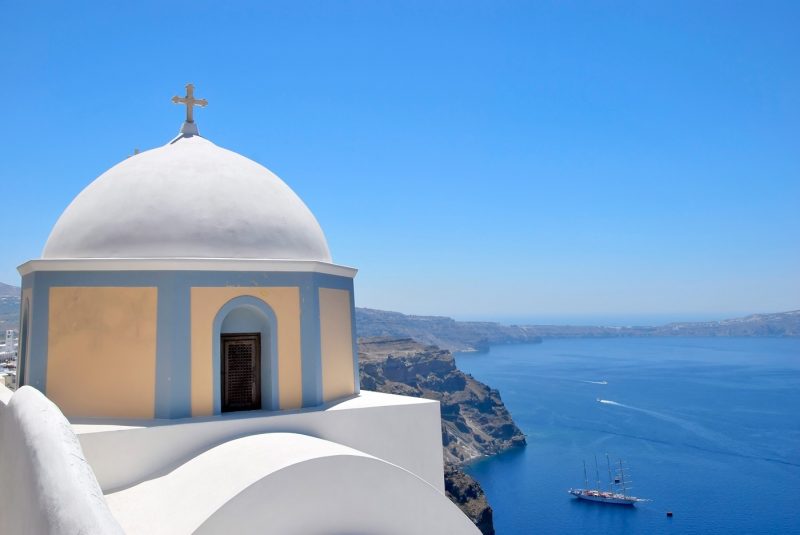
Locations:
{"points": [[475, 422], [441, 331], [455, 335], [468, 495]]}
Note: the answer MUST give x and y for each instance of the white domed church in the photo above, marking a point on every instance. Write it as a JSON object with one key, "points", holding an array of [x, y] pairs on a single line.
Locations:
{"points": [[188, 364], [187, 280]]}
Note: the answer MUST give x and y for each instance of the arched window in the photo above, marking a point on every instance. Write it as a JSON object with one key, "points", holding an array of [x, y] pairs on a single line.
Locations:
{"points": [[245, 356]]}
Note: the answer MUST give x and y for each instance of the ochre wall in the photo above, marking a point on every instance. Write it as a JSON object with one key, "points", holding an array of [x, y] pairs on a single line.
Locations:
{"points": [[206, 302], [336, 340], [101, 357]]}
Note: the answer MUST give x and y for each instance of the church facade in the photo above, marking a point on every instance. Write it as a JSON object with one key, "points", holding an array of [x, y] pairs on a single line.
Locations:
{"points": [[187, 281], [112, 339]]}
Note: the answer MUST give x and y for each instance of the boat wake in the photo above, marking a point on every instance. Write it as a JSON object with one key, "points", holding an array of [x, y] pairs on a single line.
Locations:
{"points": [[596, 382], [693, 446], [689, 426]]}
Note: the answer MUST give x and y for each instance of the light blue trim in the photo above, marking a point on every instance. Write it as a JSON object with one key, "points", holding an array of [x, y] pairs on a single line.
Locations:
{"points": [[356, 373], [190, 279], [27, 281], [269, 350], [22, 343], [173, 351], [310, 344], [334, 283], [25, 330], [40, 318]]}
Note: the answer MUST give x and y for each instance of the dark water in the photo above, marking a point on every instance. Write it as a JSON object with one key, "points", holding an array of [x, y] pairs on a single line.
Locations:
{"points": [[709, 428]]}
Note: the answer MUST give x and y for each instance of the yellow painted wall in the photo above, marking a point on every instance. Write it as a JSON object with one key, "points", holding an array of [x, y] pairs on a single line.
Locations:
{"points": [[101, 356], [336, 339], [206, 303]]}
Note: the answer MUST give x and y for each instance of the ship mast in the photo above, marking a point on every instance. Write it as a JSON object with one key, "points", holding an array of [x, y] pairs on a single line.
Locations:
{"points": [[585, 477], [597, 471], [610, 479], [622, 477]]}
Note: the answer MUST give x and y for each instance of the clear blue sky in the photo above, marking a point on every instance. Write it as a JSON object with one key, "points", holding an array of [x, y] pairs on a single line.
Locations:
{"points": [[543, 160]]}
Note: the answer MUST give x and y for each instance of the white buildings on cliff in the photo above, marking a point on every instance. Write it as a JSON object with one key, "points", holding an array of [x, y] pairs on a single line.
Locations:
{"points": [[8, 358], [188, 365], [8, 349]]}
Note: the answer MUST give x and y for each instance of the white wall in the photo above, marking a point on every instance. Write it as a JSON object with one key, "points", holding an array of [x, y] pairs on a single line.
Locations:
{"points": [[5, 397], [46, 485], [288, 484], [338, 495], [401, 430]]}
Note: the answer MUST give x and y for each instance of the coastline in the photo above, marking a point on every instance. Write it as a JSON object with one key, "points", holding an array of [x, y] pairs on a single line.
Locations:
{"points": [[475, 421]]}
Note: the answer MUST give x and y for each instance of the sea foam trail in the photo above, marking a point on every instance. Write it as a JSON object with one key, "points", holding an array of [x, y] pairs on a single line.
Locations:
{"points": [[692, 427], [596, 382]]}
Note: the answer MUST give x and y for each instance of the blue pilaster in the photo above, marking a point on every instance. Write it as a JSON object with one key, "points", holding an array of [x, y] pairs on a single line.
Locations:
{"points": [[310, 346], [37, 351], [173, 349]]}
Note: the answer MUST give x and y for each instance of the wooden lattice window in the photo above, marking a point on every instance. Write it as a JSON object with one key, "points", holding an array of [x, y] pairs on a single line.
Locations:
{"points": [[241, 372]]}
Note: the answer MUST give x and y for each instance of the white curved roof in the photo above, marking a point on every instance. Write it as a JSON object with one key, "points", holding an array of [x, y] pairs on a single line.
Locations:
{"points": [[290, 484], [188, 199]]}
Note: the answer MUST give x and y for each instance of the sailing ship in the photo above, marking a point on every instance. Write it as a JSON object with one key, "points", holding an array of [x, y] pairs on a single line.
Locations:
{"points": [[618, 487]]}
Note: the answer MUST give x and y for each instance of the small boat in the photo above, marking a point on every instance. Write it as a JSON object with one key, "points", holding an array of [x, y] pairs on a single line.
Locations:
{"points": [[615, 485]]}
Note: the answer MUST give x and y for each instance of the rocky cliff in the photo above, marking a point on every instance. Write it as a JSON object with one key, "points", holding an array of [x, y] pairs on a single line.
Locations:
{"points": [[441, 331], [455, 335], [469, 496], [475, 422]]}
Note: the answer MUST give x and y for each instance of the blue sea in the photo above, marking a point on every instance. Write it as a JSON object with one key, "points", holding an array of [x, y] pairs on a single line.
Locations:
{"points": [[708, 428]]}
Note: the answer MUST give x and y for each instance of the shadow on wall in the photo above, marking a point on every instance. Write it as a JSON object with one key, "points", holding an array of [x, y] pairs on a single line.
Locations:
{"points": [[48, 487]]}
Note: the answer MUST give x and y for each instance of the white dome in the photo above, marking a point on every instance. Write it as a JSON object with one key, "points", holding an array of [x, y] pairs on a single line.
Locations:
{"points": [[188, 199]]}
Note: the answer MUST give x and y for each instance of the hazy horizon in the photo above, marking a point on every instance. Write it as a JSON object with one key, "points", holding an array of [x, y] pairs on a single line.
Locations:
{"points": [[606, 320], [617, 320]]}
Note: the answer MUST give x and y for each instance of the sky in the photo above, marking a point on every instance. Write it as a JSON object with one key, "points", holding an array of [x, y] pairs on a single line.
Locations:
{"points": [[542, 161]]}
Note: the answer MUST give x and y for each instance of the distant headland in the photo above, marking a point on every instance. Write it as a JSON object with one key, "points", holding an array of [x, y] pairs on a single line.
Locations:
{"points": [[476, 335]]}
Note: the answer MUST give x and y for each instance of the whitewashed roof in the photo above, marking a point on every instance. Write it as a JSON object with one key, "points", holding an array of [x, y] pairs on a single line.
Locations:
{"points": [[188, 199]]}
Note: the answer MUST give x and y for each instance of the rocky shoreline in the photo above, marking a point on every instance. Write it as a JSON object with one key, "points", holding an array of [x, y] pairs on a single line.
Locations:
{"points": [[475, 422]]}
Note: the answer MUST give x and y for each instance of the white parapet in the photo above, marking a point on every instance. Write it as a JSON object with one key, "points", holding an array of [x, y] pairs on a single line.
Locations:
{"points": [[368, 464], [401, 430], [47, 485], [289, 484]]}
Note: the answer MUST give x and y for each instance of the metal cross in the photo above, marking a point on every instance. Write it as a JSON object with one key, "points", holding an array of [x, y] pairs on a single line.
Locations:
{"points": [[190, 102]]}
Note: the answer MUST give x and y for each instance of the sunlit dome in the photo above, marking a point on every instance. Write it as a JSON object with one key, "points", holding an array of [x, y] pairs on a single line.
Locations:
{"points": [[188, 199]]}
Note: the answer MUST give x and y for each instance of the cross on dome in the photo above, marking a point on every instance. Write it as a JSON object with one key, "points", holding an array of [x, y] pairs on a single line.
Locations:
{"points": [[189, 128], [190, 102]]}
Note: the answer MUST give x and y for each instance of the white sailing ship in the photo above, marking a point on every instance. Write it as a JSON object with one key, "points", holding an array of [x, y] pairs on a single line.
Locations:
{"points": [[618, 487]]}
